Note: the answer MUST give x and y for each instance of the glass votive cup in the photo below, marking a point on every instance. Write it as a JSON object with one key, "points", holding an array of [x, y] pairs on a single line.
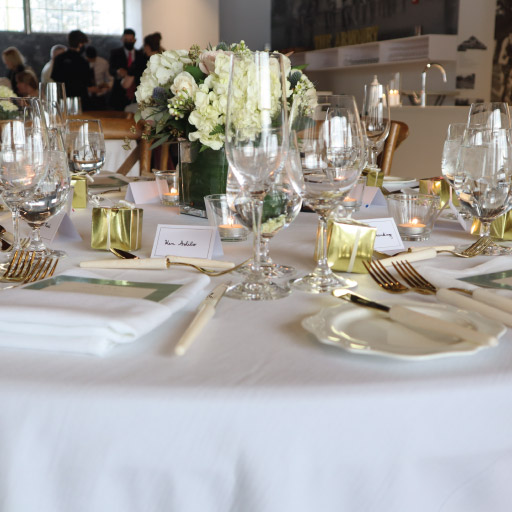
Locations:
{"points": [[414, 214], [168, 187], [354, 198], [224, 219]]}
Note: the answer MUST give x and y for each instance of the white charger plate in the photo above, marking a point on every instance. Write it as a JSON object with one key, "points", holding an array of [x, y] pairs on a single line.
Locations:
{"points": [[368, 332], [394, 183]]}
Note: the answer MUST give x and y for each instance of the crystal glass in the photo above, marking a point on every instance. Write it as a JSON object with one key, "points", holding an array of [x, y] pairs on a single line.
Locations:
{"points": [[85, 145], [352, 202], [483, 177], [256, 146], [333, 155], [375, 119], [24, 151], [493, 115], [54, 92], [50, 195], [54, 117], [281, 205]]}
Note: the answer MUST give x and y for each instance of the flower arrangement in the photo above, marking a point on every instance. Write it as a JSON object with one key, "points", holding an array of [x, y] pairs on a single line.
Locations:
{"points": [[183, 94], [7, 109]]}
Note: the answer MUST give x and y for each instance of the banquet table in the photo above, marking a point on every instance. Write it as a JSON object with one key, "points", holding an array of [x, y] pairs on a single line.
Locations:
{"points": [[257, 416]]}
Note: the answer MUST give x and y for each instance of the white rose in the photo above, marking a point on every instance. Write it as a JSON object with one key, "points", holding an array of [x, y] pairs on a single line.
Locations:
{"points": [[184, 82]]}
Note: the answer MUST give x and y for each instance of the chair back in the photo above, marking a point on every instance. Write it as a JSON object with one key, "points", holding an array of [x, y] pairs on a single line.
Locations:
{"points": [[398, 132]]}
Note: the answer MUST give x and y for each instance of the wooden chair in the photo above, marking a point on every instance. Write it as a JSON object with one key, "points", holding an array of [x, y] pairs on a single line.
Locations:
{"points": [[398, 132], [123, 128]]}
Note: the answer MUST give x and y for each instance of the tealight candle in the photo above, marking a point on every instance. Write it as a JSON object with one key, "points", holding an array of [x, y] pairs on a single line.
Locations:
{"points": [[414, 227], [349, 201], [231, 230]]}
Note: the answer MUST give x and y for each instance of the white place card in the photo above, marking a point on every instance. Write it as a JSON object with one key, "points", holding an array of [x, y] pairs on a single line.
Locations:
{"points": [[188, 241], [142, 192], [373, 196], [387, 238], [62, 225]]}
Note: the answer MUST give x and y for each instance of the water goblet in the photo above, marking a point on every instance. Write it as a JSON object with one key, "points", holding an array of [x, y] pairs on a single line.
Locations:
{"points": [[54, 92], [493, 115], [49, 197], [256, 144], [85, 145], [333, 155]]}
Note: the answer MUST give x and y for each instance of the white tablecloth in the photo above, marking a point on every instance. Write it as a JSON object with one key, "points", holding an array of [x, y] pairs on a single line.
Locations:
{"points": [[257, 416]]}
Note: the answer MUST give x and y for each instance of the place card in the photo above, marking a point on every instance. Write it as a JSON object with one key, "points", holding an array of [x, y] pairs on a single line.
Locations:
{"points": [[62, 225], [143, 192], [373, 196], [188, 241], [387, 237]]}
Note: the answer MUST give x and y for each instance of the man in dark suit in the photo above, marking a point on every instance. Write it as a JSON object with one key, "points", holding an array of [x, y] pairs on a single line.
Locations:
{"points": [[72, 69], [126, 65]]}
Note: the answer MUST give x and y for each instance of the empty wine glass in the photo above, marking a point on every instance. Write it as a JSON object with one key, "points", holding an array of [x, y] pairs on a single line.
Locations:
{"points": [[50, 195], [54, 92], [256, 146], [85, 145], [375, 119], [493, 115], [53, 115], [23, 154], [483, 178], [281, 205], [333, 155]]}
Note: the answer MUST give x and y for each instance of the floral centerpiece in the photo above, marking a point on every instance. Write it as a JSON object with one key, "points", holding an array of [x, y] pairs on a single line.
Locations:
{"points": [[7, 109], [183, 96]]}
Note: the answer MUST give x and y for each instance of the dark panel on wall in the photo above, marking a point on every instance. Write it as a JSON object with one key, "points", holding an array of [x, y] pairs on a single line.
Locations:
{"points": [[36, 47], [302, 23]]}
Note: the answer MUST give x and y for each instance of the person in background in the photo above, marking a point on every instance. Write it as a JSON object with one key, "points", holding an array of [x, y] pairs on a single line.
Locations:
{"points": [[73, 70], [46, 73], [101, 78], [26, 83], [126, 66], [14, 62], [152, 44]]}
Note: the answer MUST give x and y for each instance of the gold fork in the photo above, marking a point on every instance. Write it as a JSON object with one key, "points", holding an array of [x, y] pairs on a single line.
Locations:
{"points": [[381, 275], [42, 268], [474, 249], [19, 266], [413, 278]]}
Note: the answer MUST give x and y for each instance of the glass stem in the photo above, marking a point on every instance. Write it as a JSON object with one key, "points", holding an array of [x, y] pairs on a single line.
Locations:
{"points": [[322, 267], [257, 211], [16, 227], [264, 251], [485, 228], [372, 161]]}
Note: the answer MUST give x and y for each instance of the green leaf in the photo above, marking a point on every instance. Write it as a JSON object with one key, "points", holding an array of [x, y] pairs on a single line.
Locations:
{"points": [[195, 72], [218, 130], [159, 142], [300, 67], [137, 117]]}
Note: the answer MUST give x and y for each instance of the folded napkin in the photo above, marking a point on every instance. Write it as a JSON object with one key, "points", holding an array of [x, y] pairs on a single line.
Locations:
{"points": [[85, 323]]}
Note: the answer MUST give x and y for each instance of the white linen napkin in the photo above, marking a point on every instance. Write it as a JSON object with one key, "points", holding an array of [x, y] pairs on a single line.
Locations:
{"points": [[85, 323]]}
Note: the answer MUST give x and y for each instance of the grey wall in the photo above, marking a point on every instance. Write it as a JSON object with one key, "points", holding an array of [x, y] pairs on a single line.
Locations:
{"points": [[245, 19]]}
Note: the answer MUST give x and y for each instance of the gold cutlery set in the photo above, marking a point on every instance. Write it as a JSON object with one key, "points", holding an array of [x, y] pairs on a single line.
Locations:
{"points": [[27, 267]]}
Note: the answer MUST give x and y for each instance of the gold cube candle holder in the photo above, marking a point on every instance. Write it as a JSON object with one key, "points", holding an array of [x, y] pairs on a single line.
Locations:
{"points": [[117, 227]]}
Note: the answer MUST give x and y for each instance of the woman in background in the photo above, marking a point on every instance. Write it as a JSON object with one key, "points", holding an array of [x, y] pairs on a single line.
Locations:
{"points": [[152, 44], [26, 82], [15, 63]]}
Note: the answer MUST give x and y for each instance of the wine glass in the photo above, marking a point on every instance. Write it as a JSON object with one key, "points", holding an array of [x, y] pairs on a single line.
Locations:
{"points": [[54, 92], [281, 205], [483, 178], [53, 116], [449, 157], [85, 145], [493, 115], [256, 146], [333, 155], [375, 119], [50, 195], [24, 151]]}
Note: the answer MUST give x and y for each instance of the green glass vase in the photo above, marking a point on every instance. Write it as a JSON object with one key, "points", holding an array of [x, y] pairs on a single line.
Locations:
{"points": [[201, 173]]}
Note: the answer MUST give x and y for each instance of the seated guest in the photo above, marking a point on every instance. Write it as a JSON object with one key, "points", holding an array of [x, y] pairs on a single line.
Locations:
{"points": [[73, 70], [101, 78], [14, 62], [126, 66], [152, 44], [26, 82], [46, 73]]}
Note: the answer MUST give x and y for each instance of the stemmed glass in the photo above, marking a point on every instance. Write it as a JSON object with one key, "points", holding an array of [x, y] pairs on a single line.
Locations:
{"points": [[375, 119], [256, 147], [54, 92], [333, 155], [85, 145], [493, 115], [24, 152], [483, 178], [50, 195], [281, 205]]}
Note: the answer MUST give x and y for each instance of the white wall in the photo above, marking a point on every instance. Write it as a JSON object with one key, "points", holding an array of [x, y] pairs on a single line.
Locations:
{"points": [[182, 23], [133, 18]]}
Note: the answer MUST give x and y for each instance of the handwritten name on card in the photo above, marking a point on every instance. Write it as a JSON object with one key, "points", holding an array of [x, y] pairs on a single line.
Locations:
{"points": [[62, 225], [387, 237], [189, 241]]}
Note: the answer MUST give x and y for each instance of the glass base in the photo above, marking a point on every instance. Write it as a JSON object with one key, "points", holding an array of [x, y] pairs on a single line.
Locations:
{"points": [[190, 210], [273, 270], [415, 238], [257, 291], [312, 283], [497, 250]]}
